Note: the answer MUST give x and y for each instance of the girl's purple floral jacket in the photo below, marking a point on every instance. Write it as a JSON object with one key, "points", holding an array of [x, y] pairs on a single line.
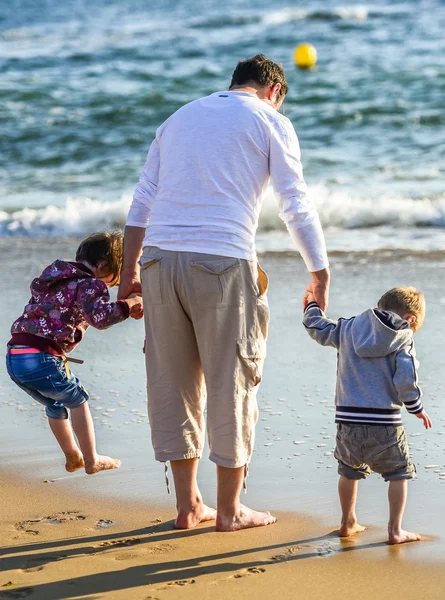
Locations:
{"points": [[65, 300]]}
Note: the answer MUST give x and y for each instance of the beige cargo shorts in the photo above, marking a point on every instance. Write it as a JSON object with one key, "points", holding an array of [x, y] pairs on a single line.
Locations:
{"points": [[206, 320]]}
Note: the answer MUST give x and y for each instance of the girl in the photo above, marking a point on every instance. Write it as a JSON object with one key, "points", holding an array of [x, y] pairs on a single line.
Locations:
{"points": [[66, 299]]}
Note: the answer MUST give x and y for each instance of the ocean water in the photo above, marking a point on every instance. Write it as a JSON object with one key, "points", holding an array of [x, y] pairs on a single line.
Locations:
{"points": [[84, 85]]}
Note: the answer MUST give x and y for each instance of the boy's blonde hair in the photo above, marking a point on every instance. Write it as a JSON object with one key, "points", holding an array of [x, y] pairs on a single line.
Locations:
{"points": [[405, 301]]}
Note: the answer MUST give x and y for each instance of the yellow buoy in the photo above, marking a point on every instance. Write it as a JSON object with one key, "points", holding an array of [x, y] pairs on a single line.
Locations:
{"points": [[305, 56]]}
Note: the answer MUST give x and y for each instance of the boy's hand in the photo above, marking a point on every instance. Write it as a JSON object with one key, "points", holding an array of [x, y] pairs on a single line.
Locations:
{"points": [[135, 303], [425, 418]]}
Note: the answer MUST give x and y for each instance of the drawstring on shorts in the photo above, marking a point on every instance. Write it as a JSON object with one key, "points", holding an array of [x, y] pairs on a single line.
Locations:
{"points": [[246, 474], [167, 481]]}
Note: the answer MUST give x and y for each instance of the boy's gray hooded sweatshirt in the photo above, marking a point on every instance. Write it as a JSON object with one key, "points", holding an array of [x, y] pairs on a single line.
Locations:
{"points": [[377, 366]]}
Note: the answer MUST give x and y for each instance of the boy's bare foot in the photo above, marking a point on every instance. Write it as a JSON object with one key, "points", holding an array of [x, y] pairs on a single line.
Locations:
{"points": [[74, 462], [246, 519], [101, 463], [403, 537], [190, 519], [350, 529]]}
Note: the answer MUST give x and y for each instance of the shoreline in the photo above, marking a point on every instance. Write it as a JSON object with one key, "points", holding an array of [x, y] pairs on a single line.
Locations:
{"points": [[379, 253], [382, 253]]}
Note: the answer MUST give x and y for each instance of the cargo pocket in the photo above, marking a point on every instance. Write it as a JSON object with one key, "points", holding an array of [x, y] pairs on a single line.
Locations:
{"points": [[151, 281], [252, 353], [216, 282]]}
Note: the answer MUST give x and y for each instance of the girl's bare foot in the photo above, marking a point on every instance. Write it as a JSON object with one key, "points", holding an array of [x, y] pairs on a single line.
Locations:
{"points": [[188, 520], [101, 463], [245, 519], [349, 529], [74, 462], [403, 537]]}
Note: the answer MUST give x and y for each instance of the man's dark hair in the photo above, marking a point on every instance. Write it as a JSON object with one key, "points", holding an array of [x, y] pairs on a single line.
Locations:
{"points": [[261, 71], [106, 248]]}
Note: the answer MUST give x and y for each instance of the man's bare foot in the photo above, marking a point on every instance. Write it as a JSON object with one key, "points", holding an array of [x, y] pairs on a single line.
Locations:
{"points": [[102, 463], [403, 537], [350, 529], [190, 519], [244, 520], [74, 462]]}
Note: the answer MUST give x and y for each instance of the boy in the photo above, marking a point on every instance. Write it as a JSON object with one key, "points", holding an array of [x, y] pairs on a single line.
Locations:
{"points": [[376, 375], [65, 300]]}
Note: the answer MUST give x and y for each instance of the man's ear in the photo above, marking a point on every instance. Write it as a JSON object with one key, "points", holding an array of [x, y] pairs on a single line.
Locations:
{"points": [[274, 92]]}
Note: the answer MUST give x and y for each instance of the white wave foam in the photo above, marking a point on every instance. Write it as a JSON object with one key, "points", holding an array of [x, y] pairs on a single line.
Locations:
{"points": [[286, 15], [346, 211], [338, 210], [76, 217], [357, 13]]}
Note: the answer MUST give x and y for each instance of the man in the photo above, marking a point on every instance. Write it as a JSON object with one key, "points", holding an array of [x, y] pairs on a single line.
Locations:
{"points": [[194, 213]]}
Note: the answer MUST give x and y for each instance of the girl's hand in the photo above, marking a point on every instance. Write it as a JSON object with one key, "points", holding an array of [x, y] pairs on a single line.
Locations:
{"points": [[136, 308]]}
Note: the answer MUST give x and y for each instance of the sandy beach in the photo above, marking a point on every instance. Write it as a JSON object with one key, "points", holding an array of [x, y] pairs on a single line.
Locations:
{"points": [[85, 87], [111, 536], [57, 546]]}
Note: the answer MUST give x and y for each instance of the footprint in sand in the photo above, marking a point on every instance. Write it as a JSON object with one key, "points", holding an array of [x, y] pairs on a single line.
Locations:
{"points": [[118, 543], [289, 552], [179, 582], [128, 556], [325, 549], [104, 523], [56, 519], [142, 554], [249, 571], [33, 569]]}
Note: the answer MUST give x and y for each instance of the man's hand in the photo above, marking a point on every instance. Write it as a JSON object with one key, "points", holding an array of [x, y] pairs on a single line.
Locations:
{"points": [[135, 303], [130, 278], [318, 290], [308, 296], [129, 284], [425, 418]]}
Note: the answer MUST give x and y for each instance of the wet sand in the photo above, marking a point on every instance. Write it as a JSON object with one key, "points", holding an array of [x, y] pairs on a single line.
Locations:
{"points": [[292, 472], [58, 546]]}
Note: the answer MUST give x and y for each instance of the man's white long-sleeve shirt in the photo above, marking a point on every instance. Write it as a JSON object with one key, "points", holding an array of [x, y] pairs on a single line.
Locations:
{"points": [[206, 171]]}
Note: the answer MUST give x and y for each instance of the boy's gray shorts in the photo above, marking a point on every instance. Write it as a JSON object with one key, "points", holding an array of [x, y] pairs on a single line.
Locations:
{"points": [[206, 321], [383, 449]]}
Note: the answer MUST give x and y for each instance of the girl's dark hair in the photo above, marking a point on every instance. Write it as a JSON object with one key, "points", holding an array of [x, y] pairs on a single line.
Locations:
{"points": [[259, 70], [105, 248]]}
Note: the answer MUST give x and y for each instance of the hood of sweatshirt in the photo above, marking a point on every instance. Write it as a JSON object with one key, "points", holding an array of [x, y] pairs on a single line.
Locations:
{"points": [[58, 271], [377, 333]]}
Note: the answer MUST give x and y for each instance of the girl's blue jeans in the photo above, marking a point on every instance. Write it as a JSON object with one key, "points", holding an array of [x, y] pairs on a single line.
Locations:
{"points": [[45, 378]]}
